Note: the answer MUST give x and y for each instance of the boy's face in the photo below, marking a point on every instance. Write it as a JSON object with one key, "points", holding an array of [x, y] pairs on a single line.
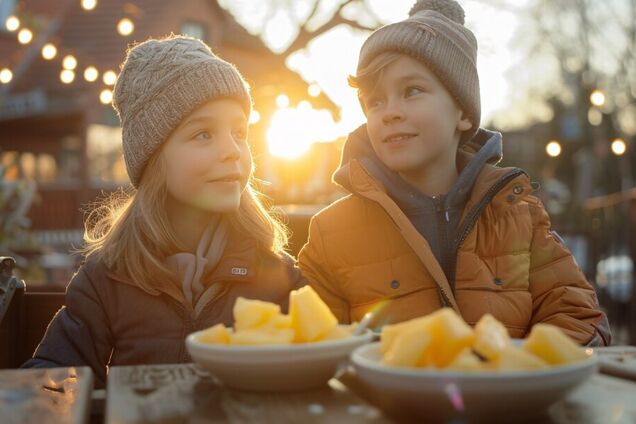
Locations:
{"points": [[412, 120], [208, 161]]}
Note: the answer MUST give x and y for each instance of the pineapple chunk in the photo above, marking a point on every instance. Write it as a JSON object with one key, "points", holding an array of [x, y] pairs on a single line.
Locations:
{"points": [[389, 332], [311, 317], [251, 313], [335, 333], [515, 359], [491, 337], [218, 334], [278, 322], [408, 348], [466, 360], [262, 337], [450, 335], [553, 345]]}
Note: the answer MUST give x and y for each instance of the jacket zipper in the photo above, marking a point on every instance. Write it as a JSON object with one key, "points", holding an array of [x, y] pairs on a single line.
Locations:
{"points": [[442, 221], [474, 214]]}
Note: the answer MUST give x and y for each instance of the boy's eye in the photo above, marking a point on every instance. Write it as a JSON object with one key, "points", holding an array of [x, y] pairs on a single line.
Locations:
{"points": [[373, 102], [411, 91]]}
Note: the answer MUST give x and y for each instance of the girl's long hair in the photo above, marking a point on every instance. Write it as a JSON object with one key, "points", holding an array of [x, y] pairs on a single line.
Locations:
{"points": [[130, 231]]}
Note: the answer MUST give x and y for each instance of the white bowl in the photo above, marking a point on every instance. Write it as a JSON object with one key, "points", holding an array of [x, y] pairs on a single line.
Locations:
{"points": [[293, 367], [440, 396]]}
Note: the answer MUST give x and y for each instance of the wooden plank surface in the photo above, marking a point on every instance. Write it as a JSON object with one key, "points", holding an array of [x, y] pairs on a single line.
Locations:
{"points": [[53, 395], [176, 393]]}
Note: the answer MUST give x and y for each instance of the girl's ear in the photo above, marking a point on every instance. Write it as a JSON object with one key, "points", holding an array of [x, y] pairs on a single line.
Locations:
{"points": [[464, 123]]}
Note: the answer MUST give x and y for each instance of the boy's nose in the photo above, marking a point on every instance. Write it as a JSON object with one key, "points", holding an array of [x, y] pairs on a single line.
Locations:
{"points": [[393, 113]]}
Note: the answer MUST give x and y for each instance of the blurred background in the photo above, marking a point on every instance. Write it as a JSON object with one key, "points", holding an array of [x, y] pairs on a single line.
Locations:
{"points": [[558, 79]]}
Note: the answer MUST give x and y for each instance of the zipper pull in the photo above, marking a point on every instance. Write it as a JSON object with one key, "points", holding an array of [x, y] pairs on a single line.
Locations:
{"points": [[447, 216]]}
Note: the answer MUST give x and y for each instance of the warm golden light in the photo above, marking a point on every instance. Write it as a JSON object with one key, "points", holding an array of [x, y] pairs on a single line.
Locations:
{"points": [[313, 90], [125, 27], [49, 51], [619, 147], [69, 62], [67, 76], [25, 36], [89, 4], [294, 130], [282, 101], [109, 78], [595, 116], [553, 148], [12, 23], [91, 74], [6, 76], [597, 98], [255, 117], [106, 96]]}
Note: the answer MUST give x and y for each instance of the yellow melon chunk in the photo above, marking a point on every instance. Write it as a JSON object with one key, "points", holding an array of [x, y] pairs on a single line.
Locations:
{"points": [[218, 334], [491, 337], [262, 337], [450, 335], [515, 359], [408, 348], [311, 317], [552, 345], [252, 313], [335, 333], [466, 360]]}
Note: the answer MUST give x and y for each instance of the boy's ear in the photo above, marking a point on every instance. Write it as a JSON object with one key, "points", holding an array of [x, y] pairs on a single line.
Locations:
{"points": [[464, 123]]}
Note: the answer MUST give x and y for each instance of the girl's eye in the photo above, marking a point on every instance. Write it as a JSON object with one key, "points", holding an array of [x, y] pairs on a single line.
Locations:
{"points": [[239, 134], [411, 91], [203, 135]]}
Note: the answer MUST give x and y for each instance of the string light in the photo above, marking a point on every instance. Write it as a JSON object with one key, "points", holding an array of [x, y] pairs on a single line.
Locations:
{"points": [[597, 98], [619, 147], [12, 23], [89, 4], [67, 76], [125, 27], [109, 78], [313, 90], [553, 148], [25, 36], [91, 74], [282, 101], [69, 62], [6, 76], [106, 96], [255, 117], [49, 51]]}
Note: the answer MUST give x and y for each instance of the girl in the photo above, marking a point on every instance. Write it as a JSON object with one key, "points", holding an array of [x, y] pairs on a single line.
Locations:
{"points": [[173, 257]]}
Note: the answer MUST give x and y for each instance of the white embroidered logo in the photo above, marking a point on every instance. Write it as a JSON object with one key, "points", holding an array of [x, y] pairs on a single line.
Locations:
{"points": [[239, 271]]}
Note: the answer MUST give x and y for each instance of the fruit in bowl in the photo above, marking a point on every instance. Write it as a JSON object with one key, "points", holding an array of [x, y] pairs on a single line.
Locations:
{"points": [[267, 350], [437, 368]]}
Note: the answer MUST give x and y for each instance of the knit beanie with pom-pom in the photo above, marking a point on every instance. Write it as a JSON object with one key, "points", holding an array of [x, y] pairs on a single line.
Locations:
{"points": [[435, 34]]}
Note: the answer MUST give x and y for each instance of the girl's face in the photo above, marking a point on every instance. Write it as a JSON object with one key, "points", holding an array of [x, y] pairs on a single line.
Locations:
{"points": [[207, 158], [413, 121]]}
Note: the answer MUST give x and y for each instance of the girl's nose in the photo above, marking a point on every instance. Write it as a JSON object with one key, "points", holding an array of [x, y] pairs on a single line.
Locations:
{"points": [[231, 151]]}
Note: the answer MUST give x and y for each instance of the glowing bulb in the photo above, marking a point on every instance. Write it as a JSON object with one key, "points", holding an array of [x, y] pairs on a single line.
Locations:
{"points": [[106, 96], [553, 149], [89, 4], [125, 27], [12, 23], [109, 78], [304, 105], [67, 76], [91, 74], [6, 76], [597, 98], [619, 147], [282, 101], [69, 62], [313, 90], [49, 51], [25, 36], [255, 117]]}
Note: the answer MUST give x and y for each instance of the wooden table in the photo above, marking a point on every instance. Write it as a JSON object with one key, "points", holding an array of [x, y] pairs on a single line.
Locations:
{"points": [[184, 393]]}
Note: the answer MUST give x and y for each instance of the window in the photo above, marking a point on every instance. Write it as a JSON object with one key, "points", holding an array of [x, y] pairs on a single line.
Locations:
{"points": [[105, 158], [193, 29]]}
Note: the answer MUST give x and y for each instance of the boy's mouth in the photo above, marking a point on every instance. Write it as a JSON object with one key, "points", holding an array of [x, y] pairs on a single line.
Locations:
{"points": [[397, 137]]}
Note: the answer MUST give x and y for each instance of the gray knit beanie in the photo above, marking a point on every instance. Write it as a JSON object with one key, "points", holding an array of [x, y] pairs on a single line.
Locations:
{"points": [[435, 34], [160, 83]]}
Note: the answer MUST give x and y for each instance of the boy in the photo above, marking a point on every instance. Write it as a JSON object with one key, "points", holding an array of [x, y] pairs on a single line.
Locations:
{"points": [[431, 221]]}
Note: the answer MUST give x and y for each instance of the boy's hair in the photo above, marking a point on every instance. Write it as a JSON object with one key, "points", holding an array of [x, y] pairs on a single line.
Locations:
{"points": [[434, 34], [366, 79], [132, 235]]}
